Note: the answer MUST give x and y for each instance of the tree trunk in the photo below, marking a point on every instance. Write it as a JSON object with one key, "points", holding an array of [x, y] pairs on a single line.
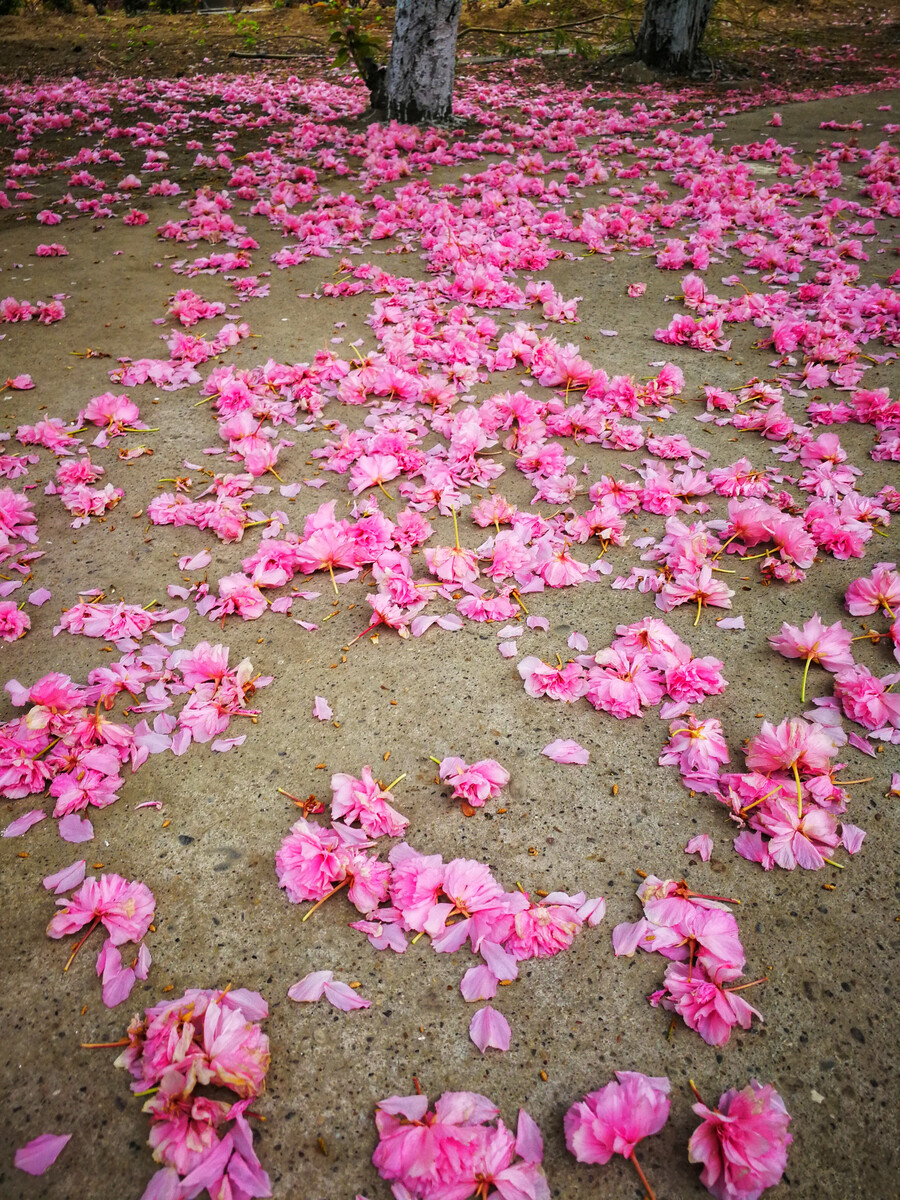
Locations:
{"points": [[671, 32], [422, 63]]}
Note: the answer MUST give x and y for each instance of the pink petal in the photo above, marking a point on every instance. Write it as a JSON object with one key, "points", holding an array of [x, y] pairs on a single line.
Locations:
{"points": [[22, 824], [538, 623], [76, 829], [861, 743], [731, 623], [322, 709], [577, 641], [702, 844], [508, 649], [41, 1152], [564, 750], [852, 837], [68, 877], [478, 983], [593, 911], [529, 1143], [283, 604], [194, 562], [39, 596], [221, 745], [311, 987], [342, 996], [489, 1029]]}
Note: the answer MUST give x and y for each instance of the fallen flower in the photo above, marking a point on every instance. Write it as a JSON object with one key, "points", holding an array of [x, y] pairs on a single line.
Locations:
{"points": [[742, 1143], [618, 1116], [474, 784]]}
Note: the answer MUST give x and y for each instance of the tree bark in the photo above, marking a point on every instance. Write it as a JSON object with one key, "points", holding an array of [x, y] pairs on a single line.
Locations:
{"points": [[422, 64], [671, 32]]}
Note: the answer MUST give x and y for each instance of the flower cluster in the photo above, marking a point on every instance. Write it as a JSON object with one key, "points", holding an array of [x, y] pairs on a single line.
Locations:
{"points": [[203, 1039], [66, 743], [646, 662], [454, 903], [461, 1148], [788, 798], [700, 938]]}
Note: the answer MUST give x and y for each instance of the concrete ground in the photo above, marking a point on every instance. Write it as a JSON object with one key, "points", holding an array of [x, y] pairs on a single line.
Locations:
{"points": [[826, 940]]}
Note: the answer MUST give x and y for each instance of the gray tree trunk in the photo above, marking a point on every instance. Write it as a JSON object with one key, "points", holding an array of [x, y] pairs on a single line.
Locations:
{"points": [[422, 64], [671, 32]]}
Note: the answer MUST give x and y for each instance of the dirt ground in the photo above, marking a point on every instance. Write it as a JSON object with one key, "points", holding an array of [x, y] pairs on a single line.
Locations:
{"points": [[826, 940]]}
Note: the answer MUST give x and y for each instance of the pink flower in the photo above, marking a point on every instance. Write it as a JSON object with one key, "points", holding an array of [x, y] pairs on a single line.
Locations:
{"points": [[124, 909], [866, 699], [793, 745], [365, 801], [565, 683], [695, 747], [697, 586], [743, 1143], [618, 1116], [828, 645], [452, 564], [476, 783], [453, 1152], [704, 1005], [543, 929], [14, 623], [796, 839], [881, 589]]}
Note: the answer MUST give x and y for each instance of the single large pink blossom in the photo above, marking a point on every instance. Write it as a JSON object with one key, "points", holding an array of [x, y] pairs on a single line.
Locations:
{"points": [[866, 699], [618, 1116], [828, 645], [881, 589], [795, 745], [742, 1143], [710, 1008], [476, 783], [124, 909], [365, 801]]}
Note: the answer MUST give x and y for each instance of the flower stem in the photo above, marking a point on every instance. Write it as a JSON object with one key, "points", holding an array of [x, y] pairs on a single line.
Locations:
{"points": [[699, 611], [740, 987], [643, 1178], [803, 685], [104, 1045], [455, 526], [396, 781], [333, 580], [799, 790], [93, 926], [328, 895]]}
